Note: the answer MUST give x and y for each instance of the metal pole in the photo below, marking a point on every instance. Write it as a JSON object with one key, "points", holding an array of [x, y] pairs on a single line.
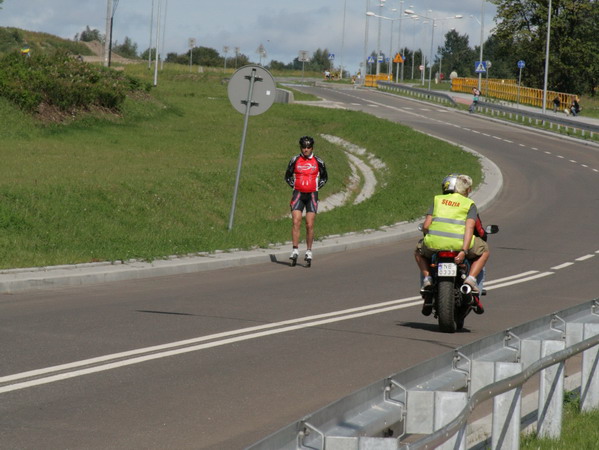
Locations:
{"points": [[482, 30], [547, 58], [157, 56], [107, 40], [365, 45], [343, 38], [248, 105], [151, 30], [399, 39], [163, 33], [430, 71], [378, 41]]}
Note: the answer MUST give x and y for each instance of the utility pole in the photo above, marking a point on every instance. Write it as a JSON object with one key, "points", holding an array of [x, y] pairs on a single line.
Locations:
{"points": [[107, 39]]}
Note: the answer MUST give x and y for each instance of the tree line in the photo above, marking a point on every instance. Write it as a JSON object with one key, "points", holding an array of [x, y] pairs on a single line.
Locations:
{"points": [[519, 35]]}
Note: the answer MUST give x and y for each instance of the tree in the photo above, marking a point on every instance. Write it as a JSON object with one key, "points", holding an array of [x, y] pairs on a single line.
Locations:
{"points": [[127, 49], [456, 55], [573, 65], [89, 35]]}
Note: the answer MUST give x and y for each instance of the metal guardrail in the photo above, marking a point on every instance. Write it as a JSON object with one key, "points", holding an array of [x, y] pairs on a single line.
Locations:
{"points": [[428, 406], [417, 92], [494, 108]]}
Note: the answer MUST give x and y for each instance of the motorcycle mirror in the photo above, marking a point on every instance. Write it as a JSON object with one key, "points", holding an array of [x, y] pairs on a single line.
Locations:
{"points": [[492, 229]]}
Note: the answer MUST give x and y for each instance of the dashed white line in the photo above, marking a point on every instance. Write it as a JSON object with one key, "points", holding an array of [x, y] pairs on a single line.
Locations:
{"points": [[584, 258], [563, 266]]}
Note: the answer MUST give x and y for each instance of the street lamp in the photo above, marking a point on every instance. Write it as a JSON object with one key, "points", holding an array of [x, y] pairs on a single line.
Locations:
{"points": [[482, 30], [372, 14], [433, 20], [547, 57]]}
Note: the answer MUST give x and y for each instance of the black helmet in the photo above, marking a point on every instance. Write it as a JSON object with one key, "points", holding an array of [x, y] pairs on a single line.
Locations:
{"points": [[306, 142], [448, 184]]}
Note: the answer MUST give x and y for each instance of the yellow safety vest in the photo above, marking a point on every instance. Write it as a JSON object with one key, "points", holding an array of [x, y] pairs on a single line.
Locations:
{"points": [[447, 229]]}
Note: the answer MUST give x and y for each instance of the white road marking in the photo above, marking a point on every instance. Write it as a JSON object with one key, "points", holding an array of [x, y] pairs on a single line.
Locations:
{"points": [[584, 258], [563, 266]]}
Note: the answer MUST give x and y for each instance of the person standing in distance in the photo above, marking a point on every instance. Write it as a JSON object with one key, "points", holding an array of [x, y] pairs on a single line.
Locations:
{"points": [[306, 174]]}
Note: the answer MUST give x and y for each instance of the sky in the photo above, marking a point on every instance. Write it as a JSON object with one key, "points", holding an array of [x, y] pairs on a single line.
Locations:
{"points": [[283, 27]]}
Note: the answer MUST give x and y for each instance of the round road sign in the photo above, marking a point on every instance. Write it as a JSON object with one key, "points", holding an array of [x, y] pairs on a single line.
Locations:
{"points": [[252, 80]]}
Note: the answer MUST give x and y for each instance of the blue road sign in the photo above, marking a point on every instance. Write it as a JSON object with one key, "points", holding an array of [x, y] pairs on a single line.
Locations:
{"points": [[331, 56], [370, 60], [480, 66], [521, 64]]}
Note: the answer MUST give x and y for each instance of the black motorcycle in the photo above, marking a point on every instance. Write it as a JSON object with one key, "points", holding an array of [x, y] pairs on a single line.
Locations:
{"points": [[452, 300]]}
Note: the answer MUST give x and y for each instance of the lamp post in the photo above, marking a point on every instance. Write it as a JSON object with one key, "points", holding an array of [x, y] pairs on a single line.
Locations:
{"points": [[482, 32], [547, 58], [343, 37], [433, 22], [365, 61], [372, 14], [378, 41]]}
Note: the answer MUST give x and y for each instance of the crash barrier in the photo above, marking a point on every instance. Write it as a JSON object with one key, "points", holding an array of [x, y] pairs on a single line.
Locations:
{"points": [[373, 80], [550, 119], [509, 90], [416, 92], [428, 406]]}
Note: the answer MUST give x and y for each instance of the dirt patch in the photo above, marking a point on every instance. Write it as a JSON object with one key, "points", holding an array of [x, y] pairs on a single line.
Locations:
{"points": [[97, 49], [50, 114]]}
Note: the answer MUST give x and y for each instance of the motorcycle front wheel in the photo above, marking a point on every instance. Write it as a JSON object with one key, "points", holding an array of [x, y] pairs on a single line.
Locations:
{"points": [[446, 306]]}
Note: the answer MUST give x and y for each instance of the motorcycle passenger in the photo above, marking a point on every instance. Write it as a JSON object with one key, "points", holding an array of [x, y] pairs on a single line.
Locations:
{"points": [[450, 225]]}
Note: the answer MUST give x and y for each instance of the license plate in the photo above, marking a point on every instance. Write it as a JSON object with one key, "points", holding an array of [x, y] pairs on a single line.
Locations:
{"points": [[447, 270]]}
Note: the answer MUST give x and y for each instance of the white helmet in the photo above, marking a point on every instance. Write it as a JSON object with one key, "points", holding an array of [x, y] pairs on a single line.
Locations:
{"points": [[448, 184]]}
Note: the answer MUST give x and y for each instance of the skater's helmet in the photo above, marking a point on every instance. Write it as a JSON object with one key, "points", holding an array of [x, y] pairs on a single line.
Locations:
{"points": [[448, 184], [306, 142]]}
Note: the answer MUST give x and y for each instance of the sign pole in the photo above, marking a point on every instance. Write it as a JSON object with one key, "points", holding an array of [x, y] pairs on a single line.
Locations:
{"points": [[248, 105], [251, 100]]}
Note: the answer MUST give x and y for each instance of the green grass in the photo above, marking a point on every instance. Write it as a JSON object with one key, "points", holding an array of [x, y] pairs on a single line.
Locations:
{"points": [[579, 430], [158, 180]]}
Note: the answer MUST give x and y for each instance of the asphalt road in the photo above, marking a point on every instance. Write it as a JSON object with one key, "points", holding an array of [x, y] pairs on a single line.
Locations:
{"points": [[220, 359]]}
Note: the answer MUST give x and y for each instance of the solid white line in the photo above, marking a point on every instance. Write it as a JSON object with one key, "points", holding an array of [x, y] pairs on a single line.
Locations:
{"points": [[584, 258], [170, 345], [522, 280], [562, 266], [140, 359], [520, 275]]}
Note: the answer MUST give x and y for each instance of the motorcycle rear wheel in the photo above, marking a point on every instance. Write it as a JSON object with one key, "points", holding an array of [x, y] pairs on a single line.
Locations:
{"points": [[446, 306]]}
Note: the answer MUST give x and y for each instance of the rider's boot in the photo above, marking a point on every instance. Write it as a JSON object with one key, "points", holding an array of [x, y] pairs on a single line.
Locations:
{"points": [[426, 292], [477, 305]]}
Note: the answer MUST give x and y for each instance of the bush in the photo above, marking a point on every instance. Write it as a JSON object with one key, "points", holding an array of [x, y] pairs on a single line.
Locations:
{"points": [[64, 82]]}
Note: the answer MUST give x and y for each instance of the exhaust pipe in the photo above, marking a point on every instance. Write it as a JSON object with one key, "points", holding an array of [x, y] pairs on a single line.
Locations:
{"points": [[465, 289]]}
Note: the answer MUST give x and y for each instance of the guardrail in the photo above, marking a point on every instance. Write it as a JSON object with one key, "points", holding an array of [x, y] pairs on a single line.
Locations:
{"points": [[520, 115], [428, 406], [441, 97]]}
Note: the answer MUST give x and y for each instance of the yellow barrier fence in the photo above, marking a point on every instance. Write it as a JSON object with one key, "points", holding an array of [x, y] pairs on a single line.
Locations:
{"points": [[508, 90], [372, 80]]}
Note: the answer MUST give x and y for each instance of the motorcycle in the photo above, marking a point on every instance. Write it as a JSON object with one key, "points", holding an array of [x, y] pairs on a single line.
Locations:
{"points": [[450, 298]]}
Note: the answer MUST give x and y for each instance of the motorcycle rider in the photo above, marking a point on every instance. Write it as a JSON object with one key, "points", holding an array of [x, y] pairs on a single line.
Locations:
{"points": [[450, 224]]}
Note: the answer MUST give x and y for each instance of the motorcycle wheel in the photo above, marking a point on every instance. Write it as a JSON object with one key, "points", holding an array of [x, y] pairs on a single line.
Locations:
{"points": [[446, 306]]}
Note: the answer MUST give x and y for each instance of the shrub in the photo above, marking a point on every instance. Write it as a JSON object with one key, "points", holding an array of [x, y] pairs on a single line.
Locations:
{"points": [[64, 82]]}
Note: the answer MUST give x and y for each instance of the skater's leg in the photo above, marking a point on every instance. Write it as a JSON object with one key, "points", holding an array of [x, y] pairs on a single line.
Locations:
{"points": [[310, 218], [296, 216]]}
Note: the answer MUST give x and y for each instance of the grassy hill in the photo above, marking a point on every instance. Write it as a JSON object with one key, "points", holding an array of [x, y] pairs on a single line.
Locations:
{"points": [[13, 39]]}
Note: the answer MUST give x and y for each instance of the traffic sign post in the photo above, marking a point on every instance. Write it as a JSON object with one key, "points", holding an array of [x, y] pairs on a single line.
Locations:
{"points": [[521, 65], [251, 92]]}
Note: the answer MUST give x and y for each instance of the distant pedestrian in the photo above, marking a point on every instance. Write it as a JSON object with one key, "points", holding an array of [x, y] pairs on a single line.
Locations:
{"points": [[556, 104], [575, 107], [475, 97]]}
